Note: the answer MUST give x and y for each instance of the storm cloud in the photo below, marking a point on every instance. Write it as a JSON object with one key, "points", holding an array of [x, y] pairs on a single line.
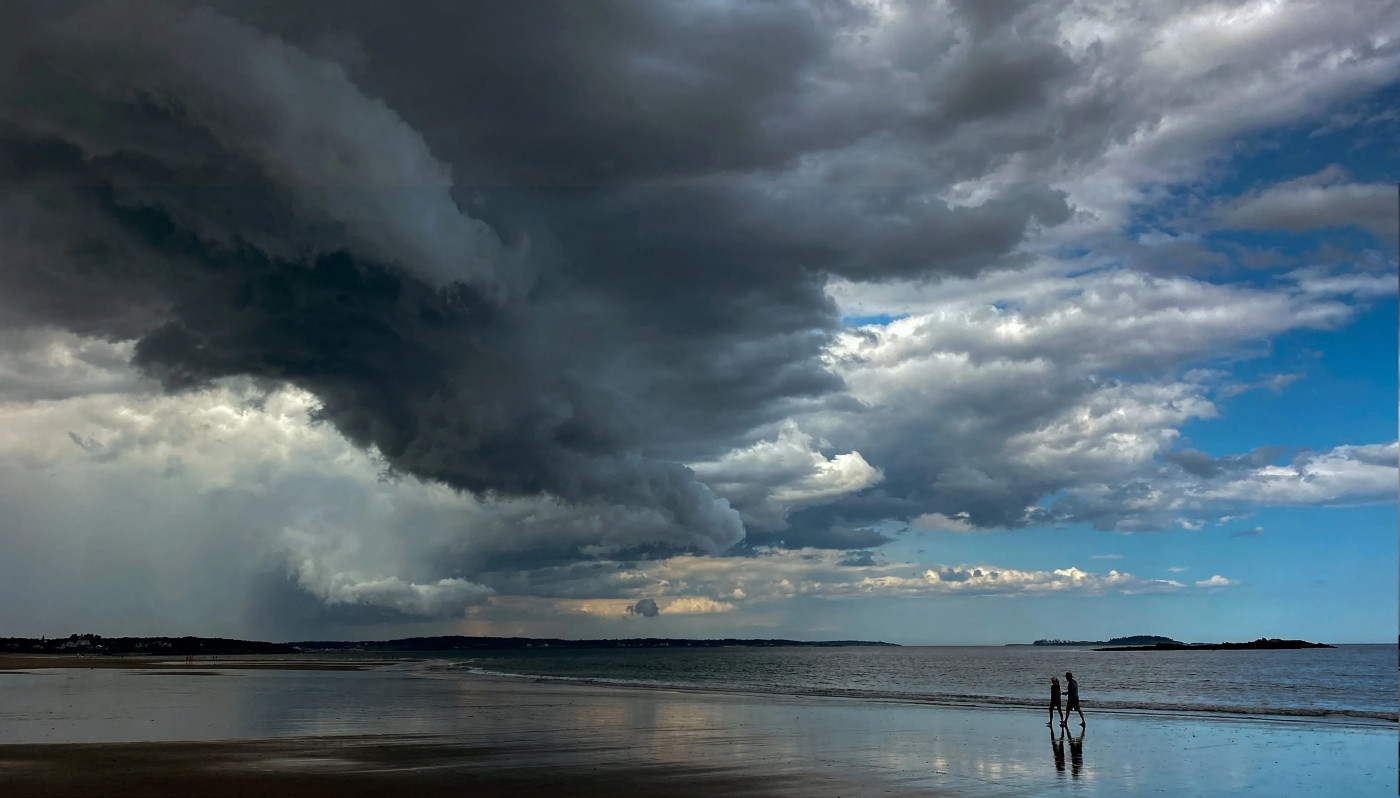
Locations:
{"points": [[646, 608], [594, 283], [240, 206]]}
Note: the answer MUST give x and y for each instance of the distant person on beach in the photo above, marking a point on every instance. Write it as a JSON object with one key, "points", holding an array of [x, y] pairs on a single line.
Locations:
{"points": [[1072, 703], [1055, 701]]}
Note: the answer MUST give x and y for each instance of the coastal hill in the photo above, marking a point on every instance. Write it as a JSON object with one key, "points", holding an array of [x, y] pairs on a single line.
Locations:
{"points": [[1261, 643], [1135, 640], [218, 646]]}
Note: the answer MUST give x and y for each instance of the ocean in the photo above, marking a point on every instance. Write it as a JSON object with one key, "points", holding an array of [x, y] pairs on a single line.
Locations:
{"points": [[1349, 683], [1327, 690]]}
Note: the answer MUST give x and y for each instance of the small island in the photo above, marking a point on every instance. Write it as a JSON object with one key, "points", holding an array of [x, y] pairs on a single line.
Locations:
{"points": [[1135, 640], [1261, 643]]}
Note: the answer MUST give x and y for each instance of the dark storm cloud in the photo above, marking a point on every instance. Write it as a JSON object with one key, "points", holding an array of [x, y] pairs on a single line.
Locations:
{"points": [[1001, 81], [566, 581], [552, 93], [646, 608], [521, 249], [458, 384]]}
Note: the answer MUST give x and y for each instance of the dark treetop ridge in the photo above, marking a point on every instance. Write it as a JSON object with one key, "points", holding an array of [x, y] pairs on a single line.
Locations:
{"points": [[166, 646]]}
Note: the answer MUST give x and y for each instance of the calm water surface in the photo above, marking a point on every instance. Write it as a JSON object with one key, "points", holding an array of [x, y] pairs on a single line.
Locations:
{"points": [[1349, 686], [1354, 681]]}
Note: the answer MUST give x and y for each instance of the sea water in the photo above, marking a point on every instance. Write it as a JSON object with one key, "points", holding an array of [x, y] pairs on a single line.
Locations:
{"points": [[1348, 687], [1346, 683]]}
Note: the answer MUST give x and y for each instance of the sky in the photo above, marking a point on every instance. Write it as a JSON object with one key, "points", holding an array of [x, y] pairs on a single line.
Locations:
{"points": [[936, 323]]}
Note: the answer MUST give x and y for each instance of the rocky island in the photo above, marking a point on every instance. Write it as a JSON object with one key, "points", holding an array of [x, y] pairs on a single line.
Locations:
{"points": [[1135, 640], [1261, 643]]}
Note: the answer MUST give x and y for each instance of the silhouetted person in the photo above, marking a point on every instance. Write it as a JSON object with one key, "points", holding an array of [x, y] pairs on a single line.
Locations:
{"points": [[1076, 754], [1057, 747], [1055, 701], [1072, 704]]}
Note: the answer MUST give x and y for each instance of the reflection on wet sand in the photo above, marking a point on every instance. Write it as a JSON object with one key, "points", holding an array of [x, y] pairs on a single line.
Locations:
{"points": [[462, 721], [1076, 754]]}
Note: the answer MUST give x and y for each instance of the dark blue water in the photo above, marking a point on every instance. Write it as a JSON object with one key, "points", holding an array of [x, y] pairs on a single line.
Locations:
{"points": [[1357, 682]]}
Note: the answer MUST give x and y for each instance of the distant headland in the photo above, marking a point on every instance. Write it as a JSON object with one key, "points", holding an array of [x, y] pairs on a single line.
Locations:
{"points": [[1136, 640], [1261, 643], [218, 646]]}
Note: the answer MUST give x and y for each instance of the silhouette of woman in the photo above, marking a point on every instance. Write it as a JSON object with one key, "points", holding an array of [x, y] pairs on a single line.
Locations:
{"points": [[1055, 701]]}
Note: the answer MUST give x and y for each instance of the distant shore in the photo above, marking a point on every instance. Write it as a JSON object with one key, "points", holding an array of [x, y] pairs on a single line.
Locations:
{"points": [[97, 645]]}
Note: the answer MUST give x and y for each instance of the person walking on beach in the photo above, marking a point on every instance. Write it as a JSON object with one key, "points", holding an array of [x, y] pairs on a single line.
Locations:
{"points": [[1072, 703], [1055, 701]]}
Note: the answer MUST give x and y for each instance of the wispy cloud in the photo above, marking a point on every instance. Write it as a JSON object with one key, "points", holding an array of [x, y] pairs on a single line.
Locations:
{"points": [[1216, 581]]}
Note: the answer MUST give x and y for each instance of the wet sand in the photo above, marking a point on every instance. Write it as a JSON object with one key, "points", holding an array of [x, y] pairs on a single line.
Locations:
{"points": [[352, 767], [420, 726]]}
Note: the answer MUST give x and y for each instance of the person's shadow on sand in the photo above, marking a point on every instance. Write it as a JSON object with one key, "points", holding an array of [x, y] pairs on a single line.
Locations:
{"points": [[1076, 754], [1057, 747]]}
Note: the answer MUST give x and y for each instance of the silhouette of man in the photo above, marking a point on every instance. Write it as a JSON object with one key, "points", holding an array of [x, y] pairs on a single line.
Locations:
{"points": [[1072, 701]]}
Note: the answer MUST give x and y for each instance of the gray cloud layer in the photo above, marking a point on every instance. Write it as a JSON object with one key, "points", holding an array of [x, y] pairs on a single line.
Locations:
{"points": [[589, 266]]}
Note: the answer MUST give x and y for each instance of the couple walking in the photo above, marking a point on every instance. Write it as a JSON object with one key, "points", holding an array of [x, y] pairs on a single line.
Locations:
{"points": [[1072, 704]]}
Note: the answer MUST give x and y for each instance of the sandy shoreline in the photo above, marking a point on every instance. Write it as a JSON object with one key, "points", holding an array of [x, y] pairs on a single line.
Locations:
{"points": [[388, 730]]}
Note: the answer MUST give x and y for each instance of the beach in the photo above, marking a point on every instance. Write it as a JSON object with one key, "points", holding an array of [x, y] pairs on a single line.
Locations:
{"points": [[216, 729]]}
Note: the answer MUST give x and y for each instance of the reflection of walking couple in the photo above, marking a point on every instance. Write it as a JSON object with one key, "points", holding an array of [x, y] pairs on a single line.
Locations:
{"points": [[1072, 704], [1076, 751]]}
